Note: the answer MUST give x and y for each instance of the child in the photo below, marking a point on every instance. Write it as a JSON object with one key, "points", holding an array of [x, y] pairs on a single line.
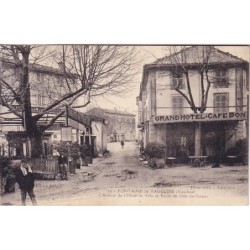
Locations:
{"points": [[25, 179]]}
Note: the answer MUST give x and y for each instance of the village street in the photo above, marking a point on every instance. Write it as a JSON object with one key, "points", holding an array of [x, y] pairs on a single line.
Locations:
{"points": [[122, 180]]}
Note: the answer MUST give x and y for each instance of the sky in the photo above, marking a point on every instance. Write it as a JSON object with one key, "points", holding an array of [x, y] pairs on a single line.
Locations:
{"points": [[147, 55]]}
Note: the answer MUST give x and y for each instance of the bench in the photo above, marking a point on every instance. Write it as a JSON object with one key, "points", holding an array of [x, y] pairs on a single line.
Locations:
{"points": [[170, 161], [235, 159], [198, 161]]}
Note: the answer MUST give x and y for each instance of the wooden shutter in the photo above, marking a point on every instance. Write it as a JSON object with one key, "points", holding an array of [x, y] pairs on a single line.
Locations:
{"points": [[177, 104], [221, 102]]}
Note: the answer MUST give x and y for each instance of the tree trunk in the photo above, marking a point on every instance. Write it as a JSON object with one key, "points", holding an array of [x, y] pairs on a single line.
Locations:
{"points": [[30, 124], [197, 138], [36, 145]]}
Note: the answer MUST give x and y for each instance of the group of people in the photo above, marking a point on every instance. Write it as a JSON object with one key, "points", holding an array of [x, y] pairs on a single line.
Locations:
{"points": [[26, 180]]}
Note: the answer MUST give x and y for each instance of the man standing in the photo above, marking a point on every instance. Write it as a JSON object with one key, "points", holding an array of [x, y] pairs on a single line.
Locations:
{"points": [[25, 179], [63, 162]]}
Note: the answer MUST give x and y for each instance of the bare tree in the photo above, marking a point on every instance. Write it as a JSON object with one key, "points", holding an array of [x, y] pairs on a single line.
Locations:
{"points": [[98, 69], [181, 61], [85, 71]]}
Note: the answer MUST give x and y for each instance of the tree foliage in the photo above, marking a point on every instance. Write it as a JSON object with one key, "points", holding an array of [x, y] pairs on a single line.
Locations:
{"points": [[155, 150]]}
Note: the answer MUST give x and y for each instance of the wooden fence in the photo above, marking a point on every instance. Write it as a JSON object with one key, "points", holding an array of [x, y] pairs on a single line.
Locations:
{"points": [[47, 166]]}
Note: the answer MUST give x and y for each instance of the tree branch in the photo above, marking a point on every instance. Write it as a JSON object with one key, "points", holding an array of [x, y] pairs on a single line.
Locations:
{"points": [[57, 102], [53, 120], [10, 107]]}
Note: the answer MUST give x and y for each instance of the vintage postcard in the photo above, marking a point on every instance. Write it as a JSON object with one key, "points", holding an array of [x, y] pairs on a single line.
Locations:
{"points": [[124, 125]]}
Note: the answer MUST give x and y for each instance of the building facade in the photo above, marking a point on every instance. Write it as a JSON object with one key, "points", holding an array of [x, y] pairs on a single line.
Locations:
{"points": [[166, 115], [91, 129], [47, 85], [120, 124], [140, 120]]}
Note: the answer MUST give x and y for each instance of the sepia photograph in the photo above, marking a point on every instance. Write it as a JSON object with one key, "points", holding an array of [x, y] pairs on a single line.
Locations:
{"points": [[124, 125]]}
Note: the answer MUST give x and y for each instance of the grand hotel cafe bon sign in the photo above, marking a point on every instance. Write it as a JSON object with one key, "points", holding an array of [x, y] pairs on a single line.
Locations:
{"points": [[204, 117]]}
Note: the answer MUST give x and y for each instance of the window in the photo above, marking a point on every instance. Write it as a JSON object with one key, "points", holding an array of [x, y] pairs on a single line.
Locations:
{"points": [[59, 81], [244, 82], [221, 78], [40, 98], [88, 130], [177, 81], [177, 105], [40, 77], [221, 102]]}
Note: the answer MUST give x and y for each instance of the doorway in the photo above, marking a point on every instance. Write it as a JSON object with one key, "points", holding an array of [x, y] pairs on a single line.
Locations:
{"points": [[213, 139]]}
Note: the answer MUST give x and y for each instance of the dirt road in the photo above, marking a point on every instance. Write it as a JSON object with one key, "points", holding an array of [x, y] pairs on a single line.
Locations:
{"points": [[122, 180]]}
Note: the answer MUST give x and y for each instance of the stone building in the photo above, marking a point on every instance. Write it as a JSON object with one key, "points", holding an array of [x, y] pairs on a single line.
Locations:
{"points": [[166, 116], [120, 124], [47, 85]]}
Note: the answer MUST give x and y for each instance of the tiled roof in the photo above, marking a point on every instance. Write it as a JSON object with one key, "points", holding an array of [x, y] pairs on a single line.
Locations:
{"points": [[84, 118], [194, 55], [192, 58]]}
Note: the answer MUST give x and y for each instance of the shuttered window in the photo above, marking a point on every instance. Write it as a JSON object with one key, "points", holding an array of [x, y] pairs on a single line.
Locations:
{"points": [[177, 105], [221, 78], [221, 102]]}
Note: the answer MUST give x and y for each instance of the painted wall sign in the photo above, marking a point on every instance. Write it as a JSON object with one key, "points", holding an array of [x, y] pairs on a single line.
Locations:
{"points": [[200, 117]]}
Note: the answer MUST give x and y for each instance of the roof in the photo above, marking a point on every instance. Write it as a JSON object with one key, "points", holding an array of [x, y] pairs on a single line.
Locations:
{"points": [[103, 112], [192, 57], [78, 116], [35, 67], [83, 118]]}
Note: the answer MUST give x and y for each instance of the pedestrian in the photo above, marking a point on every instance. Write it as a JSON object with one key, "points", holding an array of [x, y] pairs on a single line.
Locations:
{"points": [[25, 179], [217, 160], [122, 143], [63, 163]]}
